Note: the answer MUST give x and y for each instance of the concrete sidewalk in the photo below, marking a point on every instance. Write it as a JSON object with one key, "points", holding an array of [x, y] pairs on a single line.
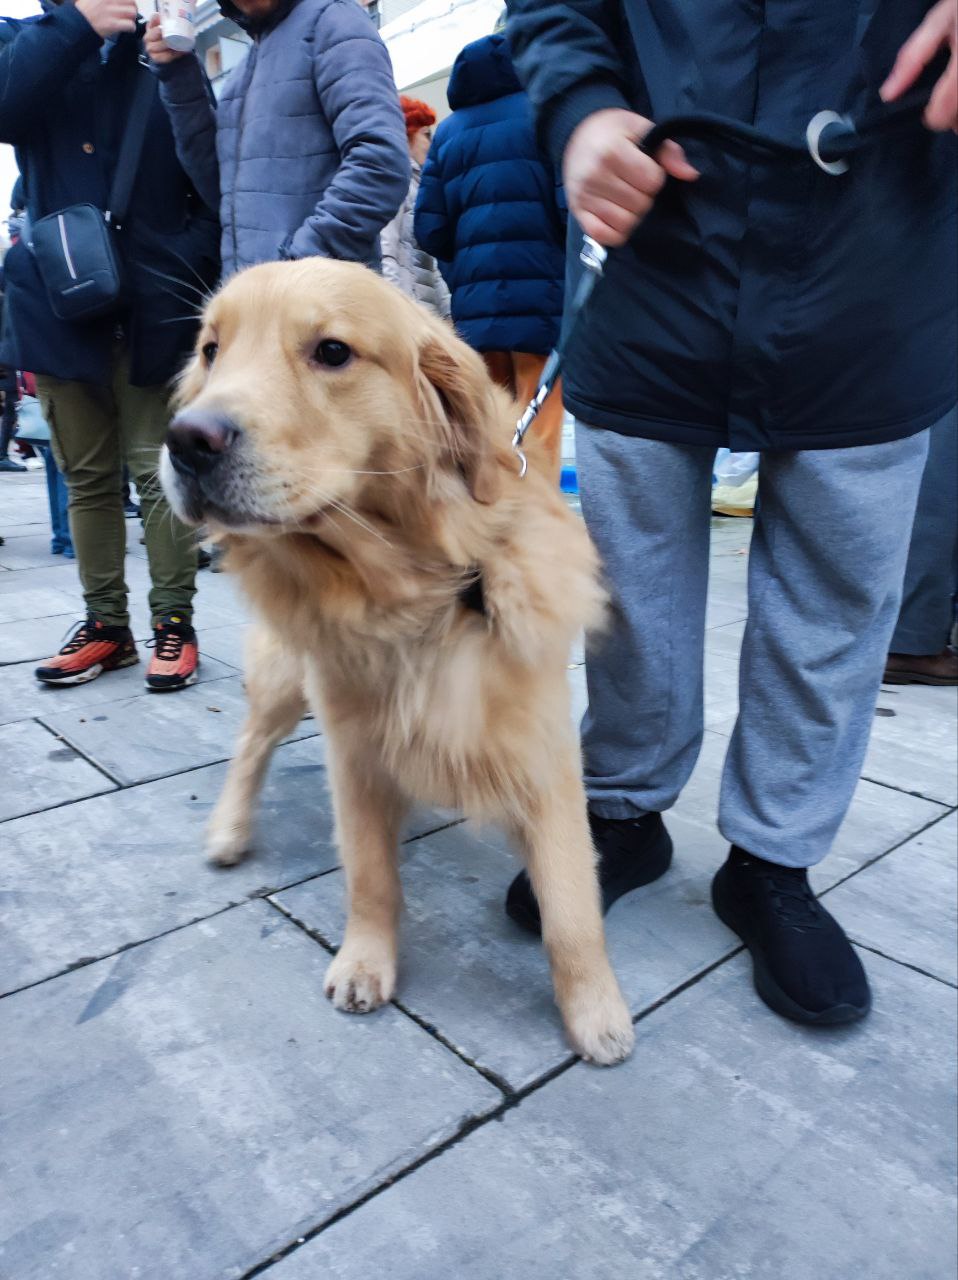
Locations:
{"points": [[178, 1101]]}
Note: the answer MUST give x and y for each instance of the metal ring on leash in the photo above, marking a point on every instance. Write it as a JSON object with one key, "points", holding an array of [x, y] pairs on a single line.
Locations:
{"points": [[813, 136]]}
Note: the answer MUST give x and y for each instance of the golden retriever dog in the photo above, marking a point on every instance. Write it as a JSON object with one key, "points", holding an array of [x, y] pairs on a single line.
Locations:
{"points": [[354, 457]]}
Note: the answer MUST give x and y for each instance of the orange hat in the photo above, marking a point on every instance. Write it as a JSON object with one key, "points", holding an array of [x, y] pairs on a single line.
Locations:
{"points": [[419, 115]]}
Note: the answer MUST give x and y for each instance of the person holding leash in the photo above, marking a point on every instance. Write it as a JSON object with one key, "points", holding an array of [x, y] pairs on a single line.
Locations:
{"points": [[768, 305]]}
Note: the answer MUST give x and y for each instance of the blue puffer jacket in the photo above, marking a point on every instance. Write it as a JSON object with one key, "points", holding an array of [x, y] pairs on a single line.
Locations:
{"points": [[306, 151], [490, 210]]}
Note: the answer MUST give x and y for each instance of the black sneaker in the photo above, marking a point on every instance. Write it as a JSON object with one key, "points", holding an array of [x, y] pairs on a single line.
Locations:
{"points": [[632, 852], [8, 464], [803, 965]]}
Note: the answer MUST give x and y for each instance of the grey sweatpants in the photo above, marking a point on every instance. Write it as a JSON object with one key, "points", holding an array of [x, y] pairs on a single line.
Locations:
{"points": [[824, 584], [931, 575]]}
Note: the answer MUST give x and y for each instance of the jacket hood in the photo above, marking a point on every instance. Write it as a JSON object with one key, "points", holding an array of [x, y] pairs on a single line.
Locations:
{"points": [[256, 26], [482, 72]]}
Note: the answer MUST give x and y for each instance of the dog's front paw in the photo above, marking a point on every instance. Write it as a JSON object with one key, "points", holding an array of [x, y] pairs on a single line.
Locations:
{"points": [[600, 1027], [227, 848], [359, 982]]}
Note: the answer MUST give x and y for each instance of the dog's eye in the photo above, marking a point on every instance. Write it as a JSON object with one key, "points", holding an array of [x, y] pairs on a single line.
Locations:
{"points": [[209, 352], [332, 353]]}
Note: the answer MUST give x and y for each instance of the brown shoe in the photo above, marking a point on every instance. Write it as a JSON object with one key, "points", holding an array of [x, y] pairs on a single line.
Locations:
{"points": [[933, 668]]}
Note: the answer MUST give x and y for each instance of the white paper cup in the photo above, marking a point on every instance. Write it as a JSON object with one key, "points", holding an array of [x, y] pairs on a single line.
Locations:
{"points": [[178, 24]]}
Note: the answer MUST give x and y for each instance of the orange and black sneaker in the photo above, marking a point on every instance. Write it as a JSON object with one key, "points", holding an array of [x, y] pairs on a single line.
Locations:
{"points": [[175, 657], [92, 649]]}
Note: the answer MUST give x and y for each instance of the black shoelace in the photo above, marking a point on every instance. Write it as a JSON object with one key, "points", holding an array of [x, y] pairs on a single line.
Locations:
{"points": [[794, 902], [82, 635], [167, 643]]}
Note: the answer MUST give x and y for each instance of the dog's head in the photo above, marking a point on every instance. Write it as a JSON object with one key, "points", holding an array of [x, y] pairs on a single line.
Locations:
{"points": [[315, 386]]}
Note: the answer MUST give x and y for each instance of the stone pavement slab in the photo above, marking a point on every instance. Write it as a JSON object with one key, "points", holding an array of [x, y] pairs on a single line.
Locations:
{"points": [[915, 747], [732, 1145], [22, 696], [39, 772], [225, 644], [906, 905], [484, 984], [184, 1109], [155, 735], [82, 881], [30, 597]]}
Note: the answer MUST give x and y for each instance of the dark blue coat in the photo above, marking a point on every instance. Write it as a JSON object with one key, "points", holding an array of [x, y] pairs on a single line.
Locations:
{"points": [[489, 209], [767, 306], [63, 108]]}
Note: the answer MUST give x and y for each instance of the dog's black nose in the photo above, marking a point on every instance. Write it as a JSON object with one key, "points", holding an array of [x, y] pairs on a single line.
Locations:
{"points": [[198, 441]]}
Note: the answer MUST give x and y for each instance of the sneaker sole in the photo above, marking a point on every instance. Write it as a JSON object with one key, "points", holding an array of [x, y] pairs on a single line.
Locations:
{"points": [[772, 994], [172, 688], [91, 673], [908, 677]]}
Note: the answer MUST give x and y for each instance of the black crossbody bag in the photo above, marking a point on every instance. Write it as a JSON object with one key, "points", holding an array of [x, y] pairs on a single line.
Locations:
{"points": [[76, 249]]}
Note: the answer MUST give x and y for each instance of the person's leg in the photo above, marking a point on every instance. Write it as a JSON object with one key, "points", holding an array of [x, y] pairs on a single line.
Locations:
{"points": [[646, 506], [825, 578], [53, 499], [8, 420], [85, 437], [547, 426], [931, 576], [170, 545]]}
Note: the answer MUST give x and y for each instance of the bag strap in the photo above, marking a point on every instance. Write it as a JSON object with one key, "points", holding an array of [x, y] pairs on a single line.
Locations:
{"points": [[131, 146]]}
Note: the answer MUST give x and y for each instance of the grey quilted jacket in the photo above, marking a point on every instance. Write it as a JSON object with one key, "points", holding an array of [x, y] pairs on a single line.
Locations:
{"points": [[305, 153], [405, 264]]}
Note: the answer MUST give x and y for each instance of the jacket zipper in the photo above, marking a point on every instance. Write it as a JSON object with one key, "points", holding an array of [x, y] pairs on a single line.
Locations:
{"points": [[66, 248], [253, 53]]}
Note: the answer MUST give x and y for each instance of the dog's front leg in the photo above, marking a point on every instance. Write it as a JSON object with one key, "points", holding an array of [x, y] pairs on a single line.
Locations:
{"points": [[561, 861], [277, 703], [369, 814]]}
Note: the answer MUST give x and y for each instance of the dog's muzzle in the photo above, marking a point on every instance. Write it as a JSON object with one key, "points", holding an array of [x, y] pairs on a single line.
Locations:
{"points": [[198, 443]]}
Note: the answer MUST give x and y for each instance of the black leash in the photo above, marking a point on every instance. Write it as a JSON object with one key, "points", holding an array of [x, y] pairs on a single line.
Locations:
{"points": [[830, 141]]}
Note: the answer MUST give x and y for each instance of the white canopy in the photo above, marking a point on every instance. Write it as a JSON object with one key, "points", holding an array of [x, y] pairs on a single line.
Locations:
{"points": [[423, 42]]}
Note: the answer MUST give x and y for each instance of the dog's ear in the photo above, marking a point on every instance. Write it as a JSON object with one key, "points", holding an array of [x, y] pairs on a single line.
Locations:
{"points": [[454, 379]]}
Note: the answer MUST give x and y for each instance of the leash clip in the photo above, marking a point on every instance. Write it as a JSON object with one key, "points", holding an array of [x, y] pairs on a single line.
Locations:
{"points": [[813, 137]]}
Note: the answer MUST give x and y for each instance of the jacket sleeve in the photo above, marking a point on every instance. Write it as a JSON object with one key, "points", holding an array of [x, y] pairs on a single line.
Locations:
{"points": [[36, 57], [433, 227], [565, 53], [186, 94], [357, 93], [389, 244]]}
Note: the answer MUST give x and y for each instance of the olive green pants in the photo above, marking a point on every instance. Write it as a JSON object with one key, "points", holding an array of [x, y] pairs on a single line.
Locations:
{"points": [[94, 430]]}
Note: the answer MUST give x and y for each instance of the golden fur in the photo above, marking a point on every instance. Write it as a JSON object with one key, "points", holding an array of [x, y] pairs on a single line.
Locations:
{"points": [[356, 503]]}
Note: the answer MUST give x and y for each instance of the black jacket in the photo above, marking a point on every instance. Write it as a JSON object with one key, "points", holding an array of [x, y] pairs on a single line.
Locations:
{"points": [[63, 107], [769, 305]]}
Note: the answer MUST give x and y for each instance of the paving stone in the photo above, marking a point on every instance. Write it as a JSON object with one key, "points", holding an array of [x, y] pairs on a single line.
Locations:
{"points": [[188, 1107], [22, 696], [32, 639], [720, 612], [906, 905], [154, 735], [84, 880], [225, 644], [28, 551], [725, 642], [732, 1145], [916, 747], [467, 970], [484, 984], [39, 772], [25, 599]]}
